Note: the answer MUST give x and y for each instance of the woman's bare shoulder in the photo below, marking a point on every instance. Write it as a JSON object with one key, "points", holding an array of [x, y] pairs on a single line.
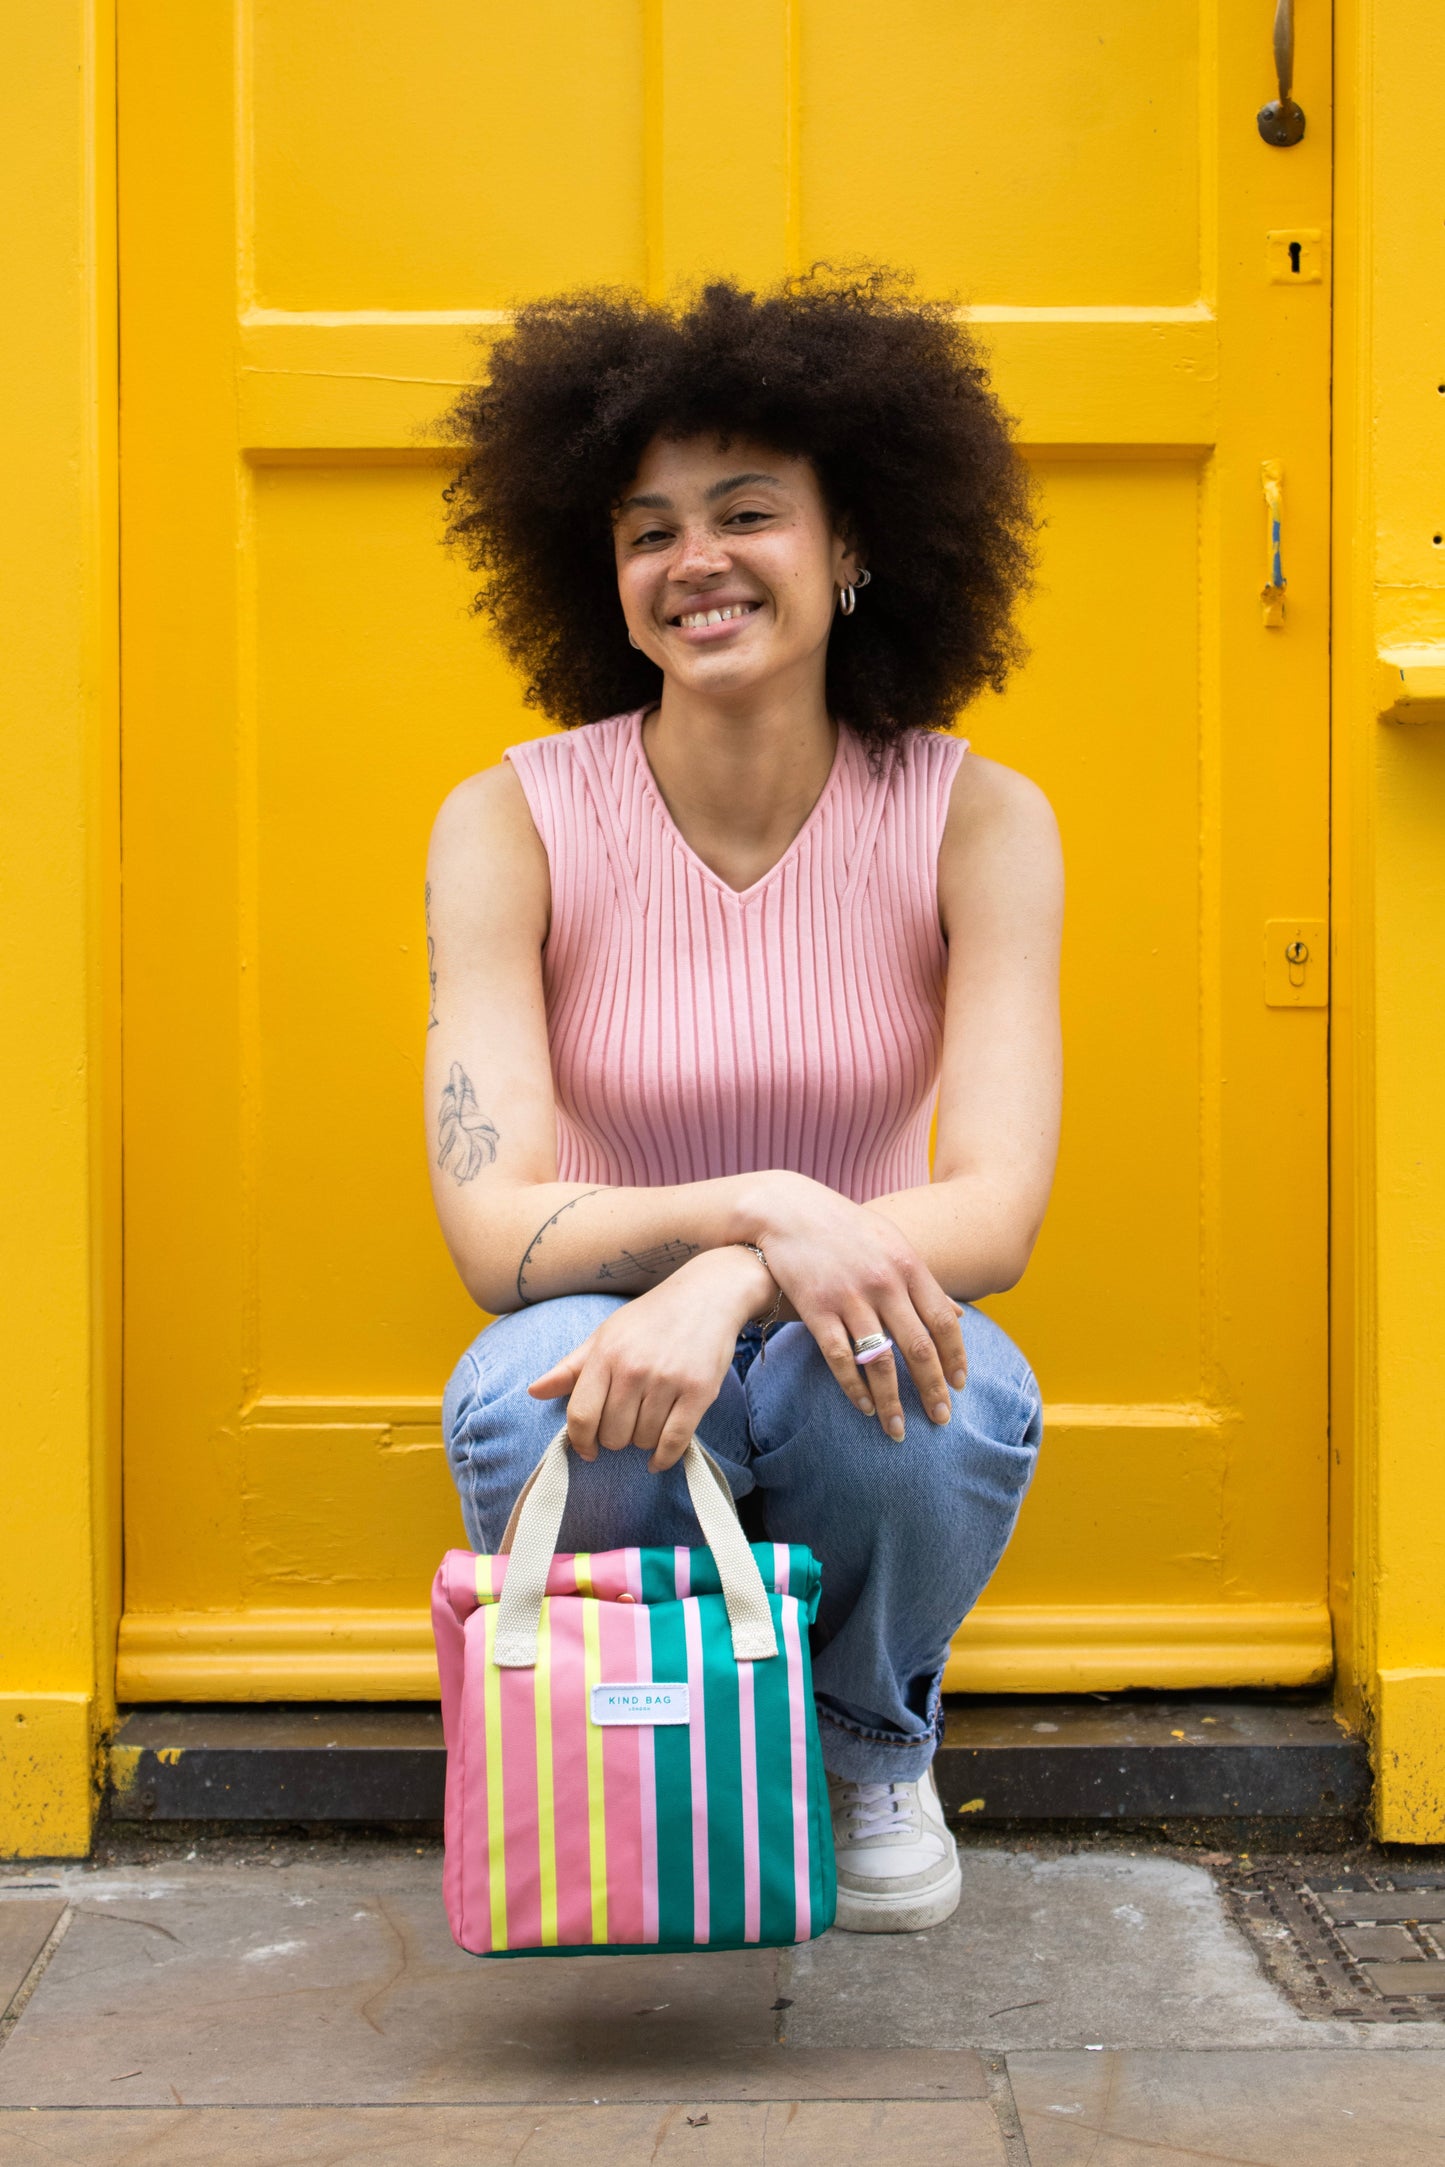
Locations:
{"points": [[491, 800], [485, 847], [1000, 832], [986, 794]]}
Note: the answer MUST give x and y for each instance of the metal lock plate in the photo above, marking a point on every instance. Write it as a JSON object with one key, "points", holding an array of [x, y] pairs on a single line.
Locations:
{"points": [[1296, 963], [1295, 256]]}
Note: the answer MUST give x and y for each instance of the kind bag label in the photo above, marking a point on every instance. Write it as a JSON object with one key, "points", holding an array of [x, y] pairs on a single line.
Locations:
{"points": [[639, 1704]]}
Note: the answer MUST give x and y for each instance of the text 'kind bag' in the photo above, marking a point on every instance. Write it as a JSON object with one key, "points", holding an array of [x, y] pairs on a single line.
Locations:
{"points": [[632, 1753]]}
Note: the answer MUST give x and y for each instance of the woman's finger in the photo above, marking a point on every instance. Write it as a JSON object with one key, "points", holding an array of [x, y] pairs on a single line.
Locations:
{"points": [[830, 1335], [915, 1345], [941, 1313], [881, 1374], [584, 1412], [618, 1422], [557, 1382], [657, 1405], [676, 1434]]}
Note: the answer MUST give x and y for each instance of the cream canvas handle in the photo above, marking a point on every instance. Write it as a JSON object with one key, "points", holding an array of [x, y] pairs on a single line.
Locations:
{"points": [[531, 1539]]}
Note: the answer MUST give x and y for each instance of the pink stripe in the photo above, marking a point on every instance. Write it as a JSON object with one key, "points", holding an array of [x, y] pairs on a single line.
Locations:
{"points": [[467, 1790], [519, 1807], [798, 1735], [610, 1573], [621, 1780], [782, 1565], [647, 1776], [682, 1573], [569, 1774], [697, 1744], [748, 1743]]}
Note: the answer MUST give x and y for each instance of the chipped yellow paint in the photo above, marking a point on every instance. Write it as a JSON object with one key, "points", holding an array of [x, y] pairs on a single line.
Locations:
{"points": [[1410, 1741], [123, 1763], [974, 1805], [47, 1775]]}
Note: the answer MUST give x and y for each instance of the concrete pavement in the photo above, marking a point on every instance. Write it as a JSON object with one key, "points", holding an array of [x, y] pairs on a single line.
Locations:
{"points": [[1090, 2006]]}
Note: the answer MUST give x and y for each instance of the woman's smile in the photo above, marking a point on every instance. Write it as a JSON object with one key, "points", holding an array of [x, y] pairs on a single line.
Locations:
{"points": [[710, 621]]}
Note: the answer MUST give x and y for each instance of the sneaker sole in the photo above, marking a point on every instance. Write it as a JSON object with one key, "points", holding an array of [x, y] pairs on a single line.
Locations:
{"points": [[861, 1912]]}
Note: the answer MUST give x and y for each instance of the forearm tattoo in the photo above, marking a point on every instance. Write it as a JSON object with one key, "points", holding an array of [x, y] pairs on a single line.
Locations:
{"points": [[652, 1263], [431, 963], [536, 1242], [466, 1140]]}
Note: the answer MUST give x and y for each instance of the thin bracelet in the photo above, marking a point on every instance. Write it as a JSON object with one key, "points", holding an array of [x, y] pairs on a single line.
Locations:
{"points": [[771, 1318]]}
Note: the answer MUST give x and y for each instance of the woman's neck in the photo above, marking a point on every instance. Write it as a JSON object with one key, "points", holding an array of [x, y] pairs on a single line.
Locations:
{"points": [[739, 783]]}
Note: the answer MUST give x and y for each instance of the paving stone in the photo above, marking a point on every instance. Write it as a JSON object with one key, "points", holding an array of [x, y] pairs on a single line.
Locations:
{"points": [[1381, 1944], [1267, 2109], [26, 1924], [340, 1983], [706, 2133], [1422, 1976], [314, 1983], [1345, 1905], [1094, 1948]]}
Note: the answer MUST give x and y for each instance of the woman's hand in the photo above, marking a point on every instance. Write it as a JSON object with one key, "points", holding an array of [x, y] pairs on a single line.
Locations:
{"points": [[848, 1271], [649, 1374]]}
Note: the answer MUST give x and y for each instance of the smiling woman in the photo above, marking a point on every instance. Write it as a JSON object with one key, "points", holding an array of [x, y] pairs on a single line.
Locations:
{"points": [[702, 967], [884, 398]]}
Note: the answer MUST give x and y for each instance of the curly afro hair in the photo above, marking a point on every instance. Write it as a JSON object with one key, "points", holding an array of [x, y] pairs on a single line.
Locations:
{"points": [[884, 394]]}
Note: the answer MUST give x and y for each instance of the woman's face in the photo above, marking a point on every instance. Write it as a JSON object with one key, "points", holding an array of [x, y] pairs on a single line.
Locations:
{"points": [[728, 564]]}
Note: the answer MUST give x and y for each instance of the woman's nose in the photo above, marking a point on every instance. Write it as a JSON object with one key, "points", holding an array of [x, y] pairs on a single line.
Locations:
{"points": [[700, 555]]}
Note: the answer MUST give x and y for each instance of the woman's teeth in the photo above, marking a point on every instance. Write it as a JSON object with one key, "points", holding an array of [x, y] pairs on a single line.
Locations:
{"points": [[717, 616]]}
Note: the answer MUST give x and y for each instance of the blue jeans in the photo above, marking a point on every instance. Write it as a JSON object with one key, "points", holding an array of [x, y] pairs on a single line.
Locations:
{"points": [[907, 1534]]}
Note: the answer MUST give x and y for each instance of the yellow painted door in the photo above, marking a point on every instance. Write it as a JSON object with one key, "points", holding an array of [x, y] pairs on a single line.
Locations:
{"points": [[324, 211]]}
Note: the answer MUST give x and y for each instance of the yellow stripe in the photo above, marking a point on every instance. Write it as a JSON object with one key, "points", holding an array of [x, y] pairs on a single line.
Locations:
{"points": [[484, 1579], [496, 1828], [546, 1825], [596, 1813], [582, 1565]]}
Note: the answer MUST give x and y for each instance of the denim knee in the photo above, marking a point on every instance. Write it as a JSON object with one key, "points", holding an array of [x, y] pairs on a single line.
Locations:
{"points": [[495, 1433], [987, 1450], [493, 1430], [515, 1349]]}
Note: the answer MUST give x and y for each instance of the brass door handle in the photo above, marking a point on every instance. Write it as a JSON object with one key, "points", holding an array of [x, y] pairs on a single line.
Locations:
{"points": [[1281, 122]]}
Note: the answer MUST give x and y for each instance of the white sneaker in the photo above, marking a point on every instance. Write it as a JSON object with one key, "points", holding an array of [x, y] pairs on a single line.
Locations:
{"points": [[897, 1862]]}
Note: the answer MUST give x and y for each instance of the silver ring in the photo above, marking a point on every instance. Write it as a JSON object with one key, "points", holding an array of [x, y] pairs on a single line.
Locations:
{"points": [[870, 1348]]}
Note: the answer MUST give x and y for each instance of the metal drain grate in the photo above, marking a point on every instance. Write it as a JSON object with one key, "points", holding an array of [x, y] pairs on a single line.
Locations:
{"points": [[1367, 1947]]}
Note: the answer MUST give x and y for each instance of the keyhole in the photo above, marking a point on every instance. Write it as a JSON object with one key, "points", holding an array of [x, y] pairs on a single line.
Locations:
{"points": [[1294, 255], [1297, 952]]}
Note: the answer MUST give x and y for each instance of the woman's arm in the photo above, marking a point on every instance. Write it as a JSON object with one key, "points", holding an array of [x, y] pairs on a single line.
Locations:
{"points": [[1001, 891], [517, 1234]]}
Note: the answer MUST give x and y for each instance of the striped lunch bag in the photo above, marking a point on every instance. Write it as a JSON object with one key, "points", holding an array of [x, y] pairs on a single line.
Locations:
{"points": [[632, 1754]]}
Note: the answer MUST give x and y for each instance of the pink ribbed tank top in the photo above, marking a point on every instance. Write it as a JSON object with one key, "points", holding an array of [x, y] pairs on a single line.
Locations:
{"points": [[696, 1031]]}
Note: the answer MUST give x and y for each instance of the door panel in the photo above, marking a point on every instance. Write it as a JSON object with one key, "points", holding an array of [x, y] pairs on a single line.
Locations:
{"points": [[319, 233]]}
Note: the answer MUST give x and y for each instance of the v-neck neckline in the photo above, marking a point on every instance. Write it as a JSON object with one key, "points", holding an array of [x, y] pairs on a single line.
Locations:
{"points": [[680, 841]]}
